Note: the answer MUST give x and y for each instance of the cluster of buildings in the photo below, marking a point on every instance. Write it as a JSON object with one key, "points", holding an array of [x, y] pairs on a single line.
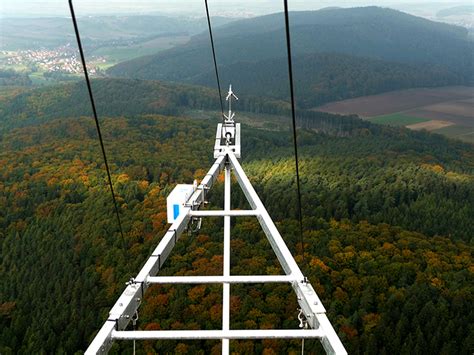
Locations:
{"points": [[64, 59]]}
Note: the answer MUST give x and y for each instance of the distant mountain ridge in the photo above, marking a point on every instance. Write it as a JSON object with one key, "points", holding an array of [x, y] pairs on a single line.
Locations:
{"points": [[369, 32], [31, 33], [342, 17], [456, 10], [325, 77]]}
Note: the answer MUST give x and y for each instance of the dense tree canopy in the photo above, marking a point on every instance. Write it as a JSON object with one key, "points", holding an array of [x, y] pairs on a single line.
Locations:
{"points": [[338, 54], [386, 234], [13, 78]]}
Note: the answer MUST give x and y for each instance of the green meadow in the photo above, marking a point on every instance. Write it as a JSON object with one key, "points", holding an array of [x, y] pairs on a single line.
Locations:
{"points": [[397, 119]]}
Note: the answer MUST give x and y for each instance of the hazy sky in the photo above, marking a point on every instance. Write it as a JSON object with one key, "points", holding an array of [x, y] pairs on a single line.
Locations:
{"points": [[28, 8]]}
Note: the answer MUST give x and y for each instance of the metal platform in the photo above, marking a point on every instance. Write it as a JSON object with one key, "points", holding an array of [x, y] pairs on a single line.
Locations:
{"points": [[128, 303]]}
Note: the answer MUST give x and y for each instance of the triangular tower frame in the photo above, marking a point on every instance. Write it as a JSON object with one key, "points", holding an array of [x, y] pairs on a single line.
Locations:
{"points": [[226, 153]]}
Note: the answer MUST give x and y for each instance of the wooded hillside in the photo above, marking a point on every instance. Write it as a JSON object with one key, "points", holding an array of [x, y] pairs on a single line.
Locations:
{"points": [[388, 234]]}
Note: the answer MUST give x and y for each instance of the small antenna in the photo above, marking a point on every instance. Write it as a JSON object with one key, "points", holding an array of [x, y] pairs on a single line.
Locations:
{"points": [[230, 95]]}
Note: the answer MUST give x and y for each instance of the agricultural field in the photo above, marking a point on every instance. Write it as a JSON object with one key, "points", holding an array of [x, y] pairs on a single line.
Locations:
{"points": [[446, 110], [60, 64], [399, 119], [119, 53]]}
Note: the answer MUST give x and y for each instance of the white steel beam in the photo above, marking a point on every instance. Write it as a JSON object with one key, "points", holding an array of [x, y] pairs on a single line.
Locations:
{"points": [[279, 247], [231, 213], [226, 261], [128, 303], [218, 334], [244, 279], [308, 300]]}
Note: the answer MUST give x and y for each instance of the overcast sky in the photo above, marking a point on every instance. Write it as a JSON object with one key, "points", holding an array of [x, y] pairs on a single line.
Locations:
{"points": [[29, 8]]}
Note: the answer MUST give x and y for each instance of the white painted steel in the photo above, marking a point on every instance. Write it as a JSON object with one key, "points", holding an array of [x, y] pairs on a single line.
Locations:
{"points": [[128, 303], [220, 146], [308, 300], [178, 196], [218, 334], [279, 247], [244, 279], [226, 261], [233, 213], [103, 340], [228, 132]]}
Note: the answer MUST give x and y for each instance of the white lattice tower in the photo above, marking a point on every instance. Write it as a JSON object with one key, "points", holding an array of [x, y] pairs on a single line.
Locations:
{"points": [[226, 152]]}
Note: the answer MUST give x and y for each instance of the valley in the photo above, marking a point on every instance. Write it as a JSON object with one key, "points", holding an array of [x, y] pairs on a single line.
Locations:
{"points": [[49, 66], [46, 51], [388, 233]]}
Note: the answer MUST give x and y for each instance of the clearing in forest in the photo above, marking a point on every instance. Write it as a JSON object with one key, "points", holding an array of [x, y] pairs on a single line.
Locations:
{"points": [[446, 110]]}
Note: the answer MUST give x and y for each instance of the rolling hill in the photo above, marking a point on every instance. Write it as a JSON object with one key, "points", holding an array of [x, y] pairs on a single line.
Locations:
{"points": [[387, 220], [371, 37], [321, 78], [387, 212], [50, 32], [119, 97]]}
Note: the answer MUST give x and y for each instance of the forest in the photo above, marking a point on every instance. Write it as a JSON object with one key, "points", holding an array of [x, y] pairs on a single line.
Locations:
{"points": [[13, 78], [338, 54], [387, 217], [124, 97], [327, 77], [387, 213]]}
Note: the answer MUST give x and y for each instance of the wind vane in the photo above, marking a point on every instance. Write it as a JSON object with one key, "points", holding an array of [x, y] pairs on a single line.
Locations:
{"points": [[230, 95]]}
